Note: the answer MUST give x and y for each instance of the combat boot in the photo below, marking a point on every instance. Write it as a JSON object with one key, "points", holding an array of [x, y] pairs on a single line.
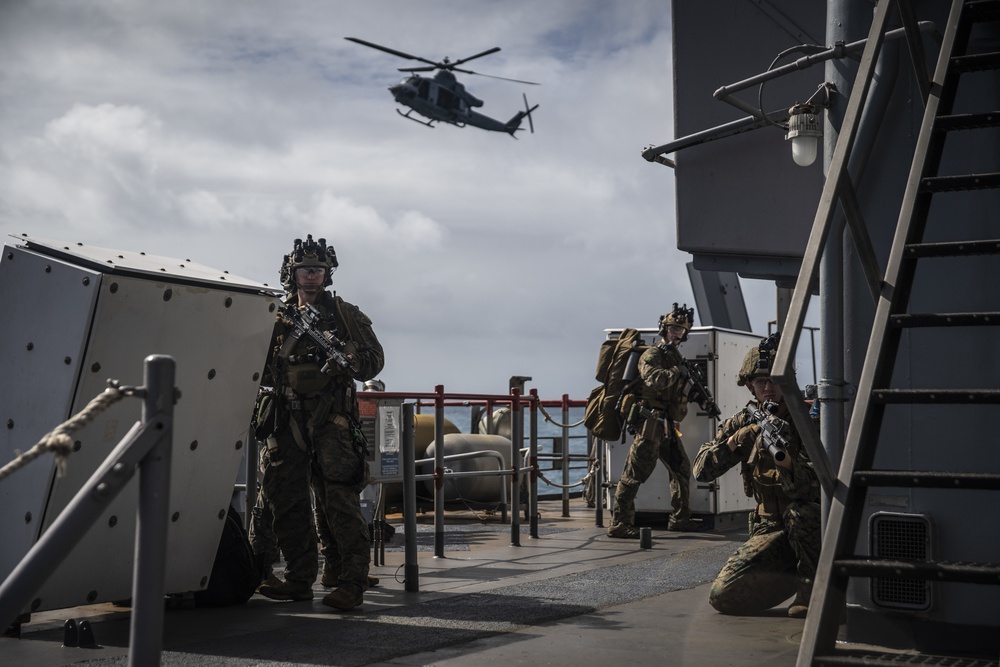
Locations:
{"points": [[331, 579], [684, 525], [283, 590], [343, 599], [800, 605], [624, 531], [269, 580]]}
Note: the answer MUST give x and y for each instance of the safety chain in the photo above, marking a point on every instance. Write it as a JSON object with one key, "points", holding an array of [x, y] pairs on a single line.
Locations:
{"points": [[594, 468], [562, 486], [550, 420], [59, 441]]}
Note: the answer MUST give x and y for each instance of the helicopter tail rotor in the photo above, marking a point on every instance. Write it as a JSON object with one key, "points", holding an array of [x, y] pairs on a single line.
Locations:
{"points": [[514, 124]]}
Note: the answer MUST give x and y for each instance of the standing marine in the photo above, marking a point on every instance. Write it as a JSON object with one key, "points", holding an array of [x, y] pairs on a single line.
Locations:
{"points": [[317, 440], [661, 404], [779, 558]]}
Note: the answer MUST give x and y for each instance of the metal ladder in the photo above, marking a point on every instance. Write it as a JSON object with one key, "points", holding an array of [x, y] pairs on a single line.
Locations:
{"points": [[837, 564]]}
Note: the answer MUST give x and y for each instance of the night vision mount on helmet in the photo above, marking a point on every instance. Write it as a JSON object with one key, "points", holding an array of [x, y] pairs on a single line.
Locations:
{"points": [[681, 316], [308, 253], [757, 362]]}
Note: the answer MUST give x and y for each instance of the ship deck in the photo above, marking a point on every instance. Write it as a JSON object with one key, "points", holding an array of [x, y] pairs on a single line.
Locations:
{"points": [[570, 596]]}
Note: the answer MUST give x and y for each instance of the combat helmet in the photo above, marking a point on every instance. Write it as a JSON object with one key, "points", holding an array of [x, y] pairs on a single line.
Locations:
{"points": [[681, 316], [757, 362], [308, 253]]}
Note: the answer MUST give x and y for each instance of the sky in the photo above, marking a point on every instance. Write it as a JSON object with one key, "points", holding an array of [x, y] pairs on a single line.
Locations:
{"points": [[221, 131]]}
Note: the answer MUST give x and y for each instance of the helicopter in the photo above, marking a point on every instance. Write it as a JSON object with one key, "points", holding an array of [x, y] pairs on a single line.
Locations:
{"points": [[442, 98]]}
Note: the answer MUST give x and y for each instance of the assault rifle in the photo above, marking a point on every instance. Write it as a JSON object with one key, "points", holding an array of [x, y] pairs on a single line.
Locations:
{"points": [[304, 323], [774, 442], [699, 392]]}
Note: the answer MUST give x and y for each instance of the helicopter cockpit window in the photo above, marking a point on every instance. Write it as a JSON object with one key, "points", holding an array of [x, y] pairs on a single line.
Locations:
{"points": [[423, 90]]}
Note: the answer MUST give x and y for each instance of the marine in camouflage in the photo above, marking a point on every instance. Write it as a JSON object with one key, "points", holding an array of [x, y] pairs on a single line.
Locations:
{"points": [[317, 451], [779, 558], [663, 396]]}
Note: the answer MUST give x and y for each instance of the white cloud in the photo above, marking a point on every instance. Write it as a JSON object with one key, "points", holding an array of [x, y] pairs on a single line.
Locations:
{"points": [[221, 131]]}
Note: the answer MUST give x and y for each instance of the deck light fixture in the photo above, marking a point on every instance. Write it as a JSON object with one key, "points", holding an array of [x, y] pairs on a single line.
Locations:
{"points": [[804, 133]]}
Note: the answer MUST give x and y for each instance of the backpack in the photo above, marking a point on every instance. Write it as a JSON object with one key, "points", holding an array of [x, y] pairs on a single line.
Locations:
{"points": [[617, 364], [235, 573]]}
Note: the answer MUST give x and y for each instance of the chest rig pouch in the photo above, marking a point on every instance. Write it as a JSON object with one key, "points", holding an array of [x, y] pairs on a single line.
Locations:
{"points": [[307, 379]]}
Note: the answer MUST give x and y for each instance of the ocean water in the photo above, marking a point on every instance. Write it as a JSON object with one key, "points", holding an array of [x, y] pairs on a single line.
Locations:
{"points": [[548, 432]]}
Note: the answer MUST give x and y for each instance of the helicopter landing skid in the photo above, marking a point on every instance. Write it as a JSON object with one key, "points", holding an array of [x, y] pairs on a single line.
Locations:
{"points": [[428, 123]]}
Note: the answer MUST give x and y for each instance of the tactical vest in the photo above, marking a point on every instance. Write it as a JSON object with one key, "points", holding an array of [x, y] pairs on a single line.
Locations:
{"points": [[299, 368], [761, 481], [671, 400]]}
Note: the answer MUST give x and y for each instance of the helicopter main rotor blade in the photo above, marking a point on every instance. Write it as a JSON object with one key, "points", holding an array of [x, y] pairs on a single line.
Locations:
{"points": [[502, 78], [392, 51], [444, 65], [465, 60]]}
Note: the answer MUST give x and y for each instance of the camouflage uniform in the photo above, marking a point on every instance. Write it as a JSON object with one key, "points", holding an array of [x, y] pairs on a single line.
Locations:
{"points": [[315, 445], [663, 394], [779, 558], [261, 533]]}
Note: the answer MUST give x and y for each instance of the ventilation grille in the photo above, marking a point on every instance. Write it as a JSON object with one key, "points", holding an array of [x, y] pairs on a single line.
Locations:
{"points": [[905, 537]]}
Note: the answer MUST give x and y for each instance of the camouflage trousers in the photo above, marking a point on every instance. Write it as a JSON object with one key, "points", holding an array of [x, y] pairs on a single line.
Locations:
{"points": [[652, 443], [337, 479], [262, 539], [770, 567], [285, 497]]}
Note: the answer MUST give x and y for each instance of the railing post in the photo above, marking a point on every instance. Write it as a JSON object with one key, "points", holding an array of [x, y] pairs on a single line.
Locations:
{"points": [[565, 455], [533, 462], [439, 471], [411, 570], [516, 440], [152, 518], [596, 448]]}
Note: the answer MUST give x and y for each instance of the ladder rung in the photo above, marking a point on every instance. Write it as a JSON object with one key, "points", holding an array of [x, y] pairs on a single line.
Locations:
{"points": [[871, 656], [976, 62], [967, 121], [945, 396], [953, 248], [945, 320], [934, 479], [925, 570], [962, 182]]}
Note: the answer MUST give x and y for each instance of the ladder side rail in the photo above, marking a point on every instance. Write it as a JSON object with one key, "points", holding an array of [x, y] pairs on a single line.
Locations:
{"points": [[862, 240], [847, 503], [915, 45], [782, 371]]}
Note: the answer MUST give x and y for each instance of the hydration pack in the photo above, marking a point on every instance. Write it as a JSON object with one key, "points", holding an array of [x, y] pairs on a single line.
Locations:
{"points": [[617, 371]]}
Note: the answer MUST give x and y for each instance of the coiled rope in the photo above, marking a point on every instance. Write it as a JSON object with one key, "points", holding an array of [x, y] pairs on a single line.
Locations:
{"points": [[59, 440]]}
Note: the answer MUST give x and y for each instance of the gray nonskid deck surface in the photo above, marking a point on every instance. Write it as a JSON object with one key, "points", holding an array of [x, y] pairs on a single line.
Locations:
{"points": [[567, 597], [377, 636]]}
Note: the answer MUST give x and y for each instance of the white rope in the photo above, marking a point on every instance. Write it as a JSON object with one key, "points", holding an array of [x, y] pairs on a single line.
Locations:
{"points": [[59, 440]]}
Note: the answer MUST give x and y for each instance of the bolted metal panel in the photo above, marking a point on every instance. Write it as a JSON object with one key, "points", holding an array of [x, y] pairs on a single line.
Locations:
{"points": [[720, 353], [42, 348], [742, 204], [219, 338]]}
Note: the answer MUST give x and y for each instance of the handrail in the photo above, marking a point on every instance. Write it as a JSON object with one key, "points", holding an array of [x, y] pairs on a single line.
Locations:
{"points": [[146, 447]]}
